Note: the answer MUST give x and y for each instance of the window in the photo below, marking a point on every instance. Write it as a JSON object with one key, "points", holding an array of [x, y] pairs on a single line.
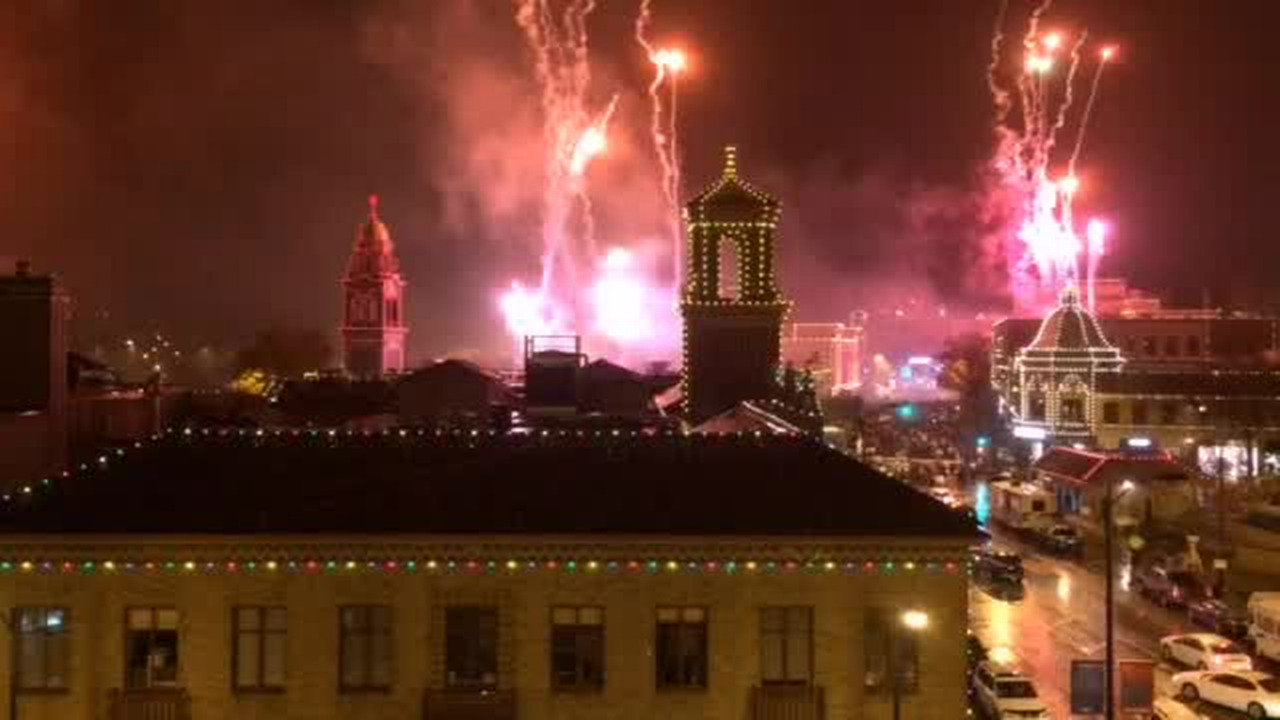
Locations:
{"points": [[1169, 412], [886, 646], [1139, 412], [365, 647], [1193, 345], [577, 648], [1149, 346], [41, 654], [1171, 345], [786, 644], [151, 657], [1036, 410], [1072, 410], [728, 270], [471, 647], [682, 647], [258, 655], [1111, 413]]}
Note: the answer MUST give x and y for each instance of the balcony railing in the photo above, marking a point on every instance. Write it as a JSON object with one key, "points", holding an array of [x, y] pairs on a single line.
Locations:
{"points": [[787, 702], [150, 704], [469, 705]]}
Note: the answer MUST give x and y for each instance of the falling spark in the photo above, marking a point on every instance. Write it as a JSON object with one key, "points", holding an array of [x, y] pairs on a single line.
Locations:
{"points": [[1104, 57]]}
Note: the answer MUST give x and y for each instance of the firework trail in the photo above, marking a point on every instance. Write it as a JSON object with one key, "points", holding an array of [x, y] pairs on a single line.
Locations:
{"points": [[667, 66], [1028, 121], [1104, 57], [572, 134]]}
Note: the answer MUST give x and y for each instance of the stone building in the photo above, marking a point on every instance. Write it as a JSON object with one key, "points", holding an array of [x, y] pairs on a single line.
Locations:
{"points": [[259, 574]]}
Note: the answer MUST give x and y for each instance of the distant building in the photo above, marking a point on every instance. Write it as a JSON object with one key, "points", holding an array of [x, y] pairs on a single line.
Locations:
{"points": [[289, 574], [1205, 388], [373, 328], [34, 313], [451, 392], [732, 306], [831, 351], [1162, 490]]}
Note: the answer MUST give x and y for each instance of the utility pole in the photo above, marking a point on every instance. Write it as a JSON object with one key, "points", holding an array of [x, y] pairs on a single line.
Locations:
{"points": [[9, 619], [1108, 519]]}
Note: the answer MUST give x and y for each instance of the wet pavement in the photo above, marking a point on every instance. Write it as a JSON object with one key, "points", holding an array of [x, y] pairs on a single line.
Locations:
{"points": [[1057, 616]]}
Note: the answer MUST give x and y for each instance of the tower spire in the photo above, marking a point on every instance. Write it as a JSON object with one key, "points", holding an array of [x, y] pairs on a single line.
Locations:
{"points": [[730, 161], [373, 206]]}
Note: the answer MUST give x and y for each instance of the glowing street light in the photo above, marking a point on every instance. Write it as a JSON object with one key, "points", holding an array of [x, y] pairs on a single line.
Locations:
{"points": [[915, 619]]}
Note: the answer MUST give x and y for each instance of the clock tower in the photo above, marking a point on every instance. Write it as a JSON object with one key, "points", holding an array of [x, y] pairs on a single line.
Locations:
{"points": [[373, 327]]}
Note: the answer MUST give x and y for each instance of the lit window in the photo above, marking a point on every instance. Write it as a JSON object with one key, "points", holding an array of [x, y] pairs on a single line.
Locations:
{"points": [[43, 645], [888, 646]]}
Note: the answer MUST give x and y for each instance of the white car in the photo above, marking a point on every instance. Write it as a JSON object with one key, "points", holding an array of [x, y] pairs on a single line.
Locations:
{"points": [[1007, 695], [1166, 708], [1255, 693], [1204, 651]]}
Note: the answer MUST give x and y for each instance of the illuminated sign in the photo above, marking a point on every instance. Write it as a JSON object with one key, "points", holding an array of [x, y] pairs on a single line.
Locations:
{"points": [[1027, 432]]}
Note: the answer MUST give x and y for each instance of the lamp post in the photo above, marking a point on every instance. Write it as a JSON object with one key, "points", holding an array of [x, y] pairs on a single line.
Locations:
{"points": [[9, 619], [913, 621], [1108, 531]]}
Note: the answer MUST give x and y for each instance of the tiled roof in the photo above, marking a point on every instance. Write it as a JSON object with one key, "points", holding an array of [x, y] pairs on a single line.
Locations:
{"points": [[480, 483], [1089, 468]]}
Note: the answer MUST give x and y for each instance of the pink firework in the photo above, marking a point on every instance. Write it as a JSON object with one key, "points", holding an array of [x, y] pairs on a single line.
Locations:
{"points": [[1032, 109]]}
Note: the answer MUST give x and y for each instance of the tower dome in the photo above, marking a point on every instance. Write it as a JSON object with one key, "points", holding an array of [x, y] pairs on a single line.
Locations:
{"points": [[1070, 327], [374, 253]]}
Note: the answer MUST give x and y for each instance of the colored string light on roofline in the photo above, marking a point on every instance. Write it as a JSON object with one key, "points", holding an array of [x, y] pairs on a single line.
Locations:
{"points": [[470, 566]]}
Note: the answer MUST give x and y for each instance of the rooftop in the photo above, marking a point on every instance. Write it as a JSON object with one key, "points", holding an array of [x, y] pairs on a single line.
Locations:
{"points": [[229, 482]]}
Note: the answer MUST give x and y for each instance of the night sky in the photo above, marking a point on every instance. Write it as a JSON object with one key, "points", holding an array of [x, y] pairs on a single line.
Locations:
{"points": [[199, 167]]}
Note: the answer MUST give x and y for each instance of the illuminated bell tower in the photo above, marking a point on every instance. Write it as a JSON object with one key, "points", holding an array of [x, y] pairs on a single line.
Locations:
{"points": [[373, 328], [732, 307]]}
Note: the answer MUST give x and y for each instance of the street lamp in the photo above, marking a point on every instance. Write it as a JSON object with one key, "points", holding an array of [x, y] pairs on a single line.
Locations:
{"points": [[1109, 521], [914, 621]]}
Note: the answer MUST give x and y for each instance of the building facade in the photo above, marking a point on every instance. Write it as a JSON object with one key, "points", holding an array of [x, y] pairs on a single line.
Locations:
{"points": [[485, 594], [34, 312], [374, 329], [1202, 388], [732, 306], [831, 351]]}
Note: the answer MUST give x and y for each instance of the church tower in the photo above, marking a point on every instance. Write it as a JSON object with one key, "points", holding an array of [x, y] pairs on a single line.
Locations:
{"points": [[732, 307], [373, 329]]}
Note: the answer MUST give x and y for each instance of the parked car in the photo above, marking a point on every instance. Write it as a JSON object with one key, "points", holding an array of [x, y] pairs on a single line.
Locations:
{"points": [[1003, 694], [1264, 624], [1254, 693], [1204, 651], [1169, 588], [1166, 708], [1219, 617], [1061, 539], [996, 564]]}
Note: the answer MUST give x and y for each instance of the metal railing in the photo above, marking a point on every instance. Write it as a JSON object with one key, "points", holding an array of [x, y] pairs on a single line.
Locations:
{"points": [[150, 704], [787, 702], [469, 705]]}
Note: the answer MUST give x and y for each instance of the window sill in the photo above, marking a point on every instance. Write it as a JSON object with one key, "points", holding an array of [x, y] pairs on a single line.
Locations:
{"points": [[46, 692], [681, 689], [370, 690], [253, 691]]}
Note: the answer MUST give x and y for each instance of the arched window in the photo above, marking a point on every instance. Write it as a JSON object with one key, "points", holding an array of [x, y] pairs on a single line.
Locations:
{"points": [[730, 281]]}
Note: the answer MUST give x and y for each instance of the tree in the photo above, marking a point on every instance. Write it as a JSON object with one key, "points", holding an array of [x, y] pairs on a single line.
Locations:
{"points": [[967, 370], [286, 352]]}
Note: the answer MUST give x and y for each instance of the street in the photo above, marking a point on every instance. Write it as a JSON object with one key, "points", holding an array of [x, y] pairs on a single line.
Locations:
{"points": [[1059, 617]]}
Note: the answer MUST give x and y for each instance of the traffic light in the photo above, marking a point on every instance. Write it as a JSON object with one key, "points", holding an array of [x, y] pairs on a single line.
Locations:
{"points": [[907, 412]]}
